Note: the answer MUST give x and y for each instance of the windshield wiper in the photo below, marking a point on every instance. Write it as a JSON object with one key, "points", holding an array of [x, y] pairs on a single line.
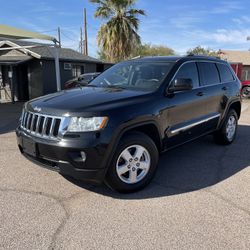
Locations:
{"points": [[115, 87], [91, 85]]}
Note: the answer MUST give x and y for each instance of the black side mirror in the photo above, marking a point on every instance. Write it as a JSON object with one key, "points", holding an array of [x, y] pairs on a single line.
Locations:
{"points": [[180, 84]]}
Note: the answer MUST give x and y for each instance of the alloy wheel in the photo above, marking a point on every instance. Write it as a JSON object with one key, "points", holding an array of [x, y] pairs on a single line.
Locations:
{"points": [[231, 127], [133, 164]]}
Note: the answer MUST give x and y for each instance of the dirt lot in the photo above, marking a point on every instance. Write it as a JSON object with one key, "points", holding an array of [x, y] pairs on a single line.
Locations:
{"points": [[199, 199]]}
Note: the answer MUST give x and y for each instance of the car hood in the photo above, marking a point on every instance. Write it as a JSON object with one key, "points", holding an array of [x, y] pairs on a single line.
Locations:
{"points": [[85, 99]]}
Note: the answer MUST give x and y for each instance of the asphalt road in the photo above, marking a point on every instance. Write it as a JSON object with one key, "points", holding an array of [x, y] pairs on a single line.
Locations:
{"points": [[199, 199]]}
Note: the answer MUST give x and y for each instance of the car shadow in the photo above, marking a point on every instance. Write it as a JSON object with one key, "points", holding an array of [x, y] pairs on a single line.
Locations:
{"points": [[9, 116], [190, 167]]}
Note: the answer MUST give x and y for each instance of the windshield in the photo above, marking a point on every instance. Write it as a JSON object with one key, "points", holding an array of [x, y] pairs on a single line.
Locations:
{"points": [[146, 76]]}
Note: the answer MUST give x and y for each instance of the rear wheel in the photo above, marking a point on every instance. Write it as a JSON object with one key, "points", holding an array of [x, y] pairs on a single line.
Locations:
{"points": [[134, 163], [227, 133], [245, 92]]}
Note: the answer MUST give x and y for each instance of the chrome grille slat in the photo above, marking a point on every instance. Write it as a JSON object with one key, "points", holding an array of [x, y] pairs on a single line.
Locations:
{"points": [[44, 125], [32, 122], [52, 126], [28, 121], [40, 125], [25, 119]]}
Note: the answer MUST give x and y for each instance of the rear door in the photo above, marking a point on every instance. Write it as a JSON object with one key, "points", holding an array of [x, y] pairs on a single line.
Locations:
{"points": [[187, 110], [213, 91]]}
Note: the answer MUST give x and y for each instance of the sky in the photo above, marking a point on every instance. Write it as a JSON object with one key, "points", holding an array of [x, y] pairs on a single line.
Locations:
{"points": [[179, 24]]}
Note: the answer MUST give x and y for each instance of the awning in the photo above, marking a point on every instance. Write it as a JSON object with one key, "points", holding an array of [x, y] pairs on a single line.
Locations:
{"points": [[11, 32], [14, 60]]}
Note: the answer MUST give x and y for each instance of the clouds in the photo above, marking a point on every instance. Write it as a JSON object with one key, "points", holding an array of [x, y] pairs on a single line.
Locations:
{"points": [[227, 7], [179, 24], [214, 24]]}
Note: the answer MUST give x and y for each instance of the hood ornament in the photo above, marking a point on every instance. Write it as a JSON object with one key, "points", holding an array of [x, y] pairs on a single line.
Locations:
{"points": [[37, 109]]}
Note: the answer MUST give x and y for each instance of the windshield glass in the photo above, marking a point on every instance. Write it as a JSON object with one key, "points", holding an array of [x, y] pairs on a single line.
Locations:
{"points": [[146, 76]]}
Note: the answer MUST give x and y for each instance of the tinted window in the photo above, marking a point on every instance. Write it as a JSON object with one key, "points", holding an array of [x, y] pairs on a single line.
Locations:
{"points": [[208, 73], [225, 73], [189, 70]]}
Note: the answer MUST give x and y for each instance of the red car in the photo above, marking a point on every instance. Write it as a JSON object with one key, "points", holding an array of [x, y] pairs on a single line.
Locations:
{"points": [[245, 90]]}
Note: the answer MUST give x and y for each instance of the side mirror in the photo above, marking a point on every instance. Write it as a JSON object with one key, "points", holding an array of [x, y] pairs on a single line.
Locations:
{"points": [[180, 84]]}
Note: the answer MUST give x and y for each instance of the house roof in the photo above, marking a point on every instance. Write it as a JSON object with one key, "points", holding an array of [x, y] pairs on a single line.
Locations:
{"points": [[14, 60], [236, 56], [12, 32], [45, 51]]}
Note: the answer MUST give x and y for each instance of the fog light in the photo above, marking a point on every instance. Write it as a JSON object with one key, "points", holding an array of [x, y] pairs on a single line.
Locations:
{"points": [[83, 155]]}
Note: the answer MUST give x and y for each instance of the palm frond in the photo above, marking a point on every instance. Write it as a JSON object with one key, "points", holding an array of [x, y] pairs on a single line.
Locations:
{"points": [[118, 38]]}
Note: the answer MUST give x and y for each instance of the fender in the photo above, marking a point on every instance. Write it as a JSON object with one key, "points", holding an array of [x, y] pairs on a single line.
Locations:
{"points": [[120, 132], [227, 109]]}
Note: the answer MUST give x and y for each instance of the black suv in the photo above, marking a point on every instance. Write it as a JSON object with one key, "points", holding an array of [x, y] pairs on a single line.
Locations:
{"points": [[114, 128]]}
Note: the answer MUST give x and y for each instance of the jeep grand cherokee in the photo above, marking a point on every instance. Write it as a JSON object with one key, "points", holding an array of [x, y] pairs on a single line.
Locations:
{"points": [[114, 128]]}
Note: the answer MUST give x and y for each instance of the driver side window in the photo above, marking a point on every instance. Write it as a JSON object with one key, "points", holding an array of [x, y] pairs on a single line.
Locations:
{"points": [[189, 70]]}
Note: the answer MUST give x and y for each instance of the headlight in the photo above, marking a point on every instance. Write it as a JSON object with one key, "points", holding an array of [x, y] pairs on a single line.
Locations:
{"points": [[81, 124]]}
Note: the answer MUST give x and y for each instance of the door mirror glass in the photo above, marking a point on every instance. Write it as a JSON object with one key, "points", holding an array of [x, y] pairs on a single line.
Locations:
{"points": [[180, 84]]}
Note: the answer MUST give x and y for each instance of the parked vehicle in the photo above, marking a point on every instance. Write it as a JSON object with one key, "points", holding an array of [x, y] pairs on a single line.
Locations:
{"points": [[82, 80], [114, 128], [245, 89]]}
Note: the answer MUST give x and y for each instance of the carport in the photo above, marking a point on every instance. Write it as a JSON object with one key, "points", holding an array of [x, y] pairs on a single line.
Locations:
{"points": [[14, 64]]}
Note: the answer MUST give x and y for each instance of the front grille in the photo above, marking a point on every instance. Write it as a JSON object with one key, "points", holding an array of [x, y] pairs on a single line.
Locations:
{"points": [[41, 125]]}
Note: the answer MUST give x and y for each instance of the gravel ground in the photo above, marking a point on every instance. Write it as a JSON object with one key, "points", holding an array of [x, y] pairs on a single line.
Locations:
{"points": [[199, 199]]}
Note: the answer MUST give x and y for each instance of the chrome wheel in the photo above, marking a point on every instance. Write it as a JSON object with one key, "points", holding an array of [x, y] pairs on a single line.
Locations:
{"points": [[246, 92], [231, 127], [133, 164]]}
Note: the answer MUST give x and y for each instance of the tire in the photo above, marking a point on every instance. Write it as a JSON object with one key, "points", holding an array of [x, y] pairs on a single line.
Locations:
{"points": [[245, 92], [134, 163], [227, 132]]}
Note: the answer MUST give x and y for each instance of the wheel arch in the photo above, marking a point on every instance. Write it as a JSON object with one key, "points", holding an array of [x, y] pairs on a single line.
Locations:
{"points": [[150, 129], [236, 106]]}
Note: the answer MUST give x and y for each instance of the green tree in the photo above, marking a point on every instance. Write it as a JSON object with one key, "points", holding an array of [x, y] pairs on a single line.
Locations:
{"points": [[202, 51], [101, 55], [118, 38], [148, 49]]}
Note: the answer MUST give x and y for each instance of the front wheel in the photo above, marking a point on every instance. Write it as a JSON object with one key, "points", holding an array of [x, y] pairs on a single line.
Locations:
{"points": [[134, 163], [245, 92], [227, 133]]}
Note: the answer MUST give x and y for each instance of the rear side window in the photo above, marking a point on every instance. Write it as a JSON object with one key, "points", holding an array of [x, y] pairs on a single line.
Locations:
{"points": [[189, 70], [208, 73], [225, 73]]}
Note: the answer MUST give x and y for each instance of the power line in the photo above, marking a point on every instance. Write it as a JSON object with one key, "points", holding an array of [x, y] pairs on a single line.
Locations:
{"points": [[67, 36], [47, 31]]}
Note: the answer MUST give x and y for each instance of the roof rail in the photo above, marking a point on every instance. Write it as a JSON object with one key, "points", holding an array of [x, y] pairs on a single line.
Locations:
{"points": [[217, 57], [136, 57]]}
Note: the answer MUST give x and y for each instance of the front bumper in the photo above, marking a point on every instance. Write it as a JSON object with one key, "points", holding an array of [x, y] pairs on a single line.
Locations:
{"points": [[65, 156]]}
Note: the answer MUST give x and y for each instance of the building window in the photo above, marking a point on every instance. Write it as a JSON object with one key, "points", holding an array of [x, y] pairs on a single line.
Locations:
{"points": [[77, 70], [246, 75], [67, 66]]}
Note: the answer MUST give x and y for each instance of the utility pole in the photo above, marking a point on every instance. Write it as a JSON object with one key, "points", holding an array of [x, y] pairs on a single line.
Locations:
{"points": [[81, 42], [59, 36], [85, 34]]}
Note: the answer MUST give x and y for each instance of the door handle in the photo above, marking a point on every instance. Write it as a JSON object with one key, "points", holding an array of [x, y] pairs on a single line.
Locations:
{"points": [[200, 93], [224, 88]]}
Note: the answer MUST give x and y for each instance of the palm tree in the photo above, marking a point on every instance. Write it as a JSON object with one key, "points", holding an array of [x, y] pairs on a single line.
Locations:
{"points": [[118, 37]]}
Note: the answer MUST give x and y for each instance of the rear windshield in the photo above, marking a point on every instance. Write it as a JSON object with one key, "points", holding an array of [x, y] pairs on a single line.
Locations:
{"points": [[146, 76]]}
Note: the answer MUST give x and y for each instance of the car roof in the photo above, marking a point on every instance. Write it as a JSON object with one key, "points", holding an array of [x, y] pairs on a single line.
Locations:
{"points": [[176, 58]]}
